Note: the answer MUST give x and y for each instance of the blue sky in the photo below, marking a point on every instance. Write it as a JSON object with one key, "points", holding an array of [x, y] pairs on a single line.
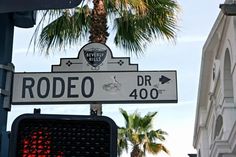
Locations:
{"points": [[195, 20]]}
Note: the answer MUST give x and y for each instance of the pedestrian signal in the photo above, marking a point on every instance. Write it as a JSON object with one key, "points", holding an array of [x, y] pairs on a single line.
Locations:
{"points": [[39, 135]]}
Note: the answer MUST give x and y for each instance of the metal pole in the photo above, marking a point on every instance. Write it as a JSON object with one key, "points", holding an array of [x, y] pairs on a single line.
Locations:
{"points": [[6, 42], [96, 109]]}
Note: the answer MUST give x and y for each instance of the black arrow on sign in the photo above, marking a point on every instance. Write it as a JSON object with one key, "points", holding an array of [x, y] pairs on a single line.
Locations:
{"points": [[164, 79]]}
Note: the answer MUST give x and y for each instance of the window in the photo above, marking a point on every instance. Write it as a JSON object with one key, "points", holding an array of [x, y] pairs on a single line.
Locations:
{"points": [[218, 126], [228, 83]]}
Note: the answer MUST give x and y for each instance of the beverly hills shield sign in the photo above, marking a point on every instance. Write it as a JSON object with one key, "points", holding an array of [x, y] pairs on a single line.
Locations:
{"points": [[95, 76], [95, 56]]}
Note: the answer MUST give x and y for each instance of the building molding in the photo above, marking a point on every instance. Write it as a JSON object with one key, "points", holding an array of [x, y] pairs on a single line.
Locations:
{"points": [[215, 121]]}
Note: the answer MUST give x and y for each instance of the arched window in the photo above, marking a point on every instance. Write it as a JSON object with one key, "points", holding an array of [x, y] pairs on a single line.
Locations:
{"points": [[218, 126], [228, 82]]}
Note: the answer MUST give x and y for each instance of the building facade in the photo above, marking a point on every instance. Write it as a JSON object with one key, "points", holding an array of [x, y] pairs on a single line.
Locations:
{"points": [[215, 121]]}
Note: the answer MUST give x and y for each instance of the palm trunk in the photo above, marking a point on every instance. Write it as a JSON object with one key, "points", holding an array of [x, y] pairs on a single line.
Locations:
{"points": [[98, 34], [98, 29], [136, 152]]}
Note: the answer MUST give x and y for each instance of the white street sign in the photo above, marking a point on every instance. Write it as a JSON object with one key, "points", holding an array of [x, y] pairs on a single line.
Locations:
{"points": [[95, 76], [99, 87]]}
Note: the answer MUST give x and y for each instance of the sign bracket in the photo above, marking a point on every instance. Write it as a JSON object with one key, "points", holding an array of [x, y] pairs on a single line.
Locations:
{"points": [[7, 91], [9, 67]]}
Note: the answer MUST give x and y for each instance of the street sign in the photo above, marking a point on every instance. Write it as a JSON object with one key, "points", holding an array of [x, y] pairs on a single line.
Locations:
{"points": [[95, 77], [30, 5], [102, 87]]}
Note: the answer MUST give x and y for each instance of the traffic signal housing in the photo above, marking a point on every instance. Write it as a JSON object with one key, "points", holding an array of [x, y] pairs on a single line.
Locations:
{"points": [[7, 6], [26, 19], [40, 135]]}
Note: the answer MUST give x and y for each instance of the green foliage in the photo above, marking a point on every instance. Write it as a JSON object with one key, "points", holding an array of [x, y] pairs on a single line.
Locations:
{"points": [[135, 23], [139, 134], [66, 29]]}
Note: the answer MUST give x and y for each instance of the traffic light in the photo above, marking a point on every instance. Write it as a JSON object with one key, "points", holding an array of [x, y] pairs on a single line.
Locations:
{"points": [[25, 19], [40, 135]]}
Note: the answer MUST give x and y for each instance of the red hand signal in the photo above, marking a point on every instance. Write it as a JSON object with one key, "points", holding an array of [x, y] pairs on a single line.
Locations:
{"points": [[38, 144]]}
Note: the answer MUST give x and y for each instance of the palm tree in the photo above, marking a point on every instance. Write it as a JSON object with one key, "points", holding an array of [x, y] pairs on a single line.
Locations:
{"points": [[139, 134], [135, 23]]}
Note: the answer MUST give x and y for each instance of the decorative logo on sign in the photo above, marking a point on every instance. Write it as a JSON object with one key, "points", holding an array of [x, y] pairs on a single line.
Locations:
{"points": [[113, 86], [95, 56]]}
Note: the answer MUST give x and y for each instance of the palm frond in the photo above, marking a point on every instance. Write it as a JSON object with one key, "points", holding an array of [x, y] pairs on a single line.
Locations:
{"points": [[66, 30], [147, 121], [122, 141], [129, 36], [155, 148], [135, 119], [65, 27], [126, 117], [160, 134], [134, 30]]}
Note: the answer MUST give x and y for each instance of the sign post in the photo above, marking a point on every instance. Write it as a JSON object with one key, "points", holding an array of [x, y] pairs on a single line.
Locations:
{"points": [[6, 40]]}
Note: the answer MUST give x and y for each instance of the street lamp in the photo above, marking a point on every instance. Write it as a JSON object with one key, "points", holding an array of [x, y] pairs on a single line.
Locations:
{"points": [[228, 9]]}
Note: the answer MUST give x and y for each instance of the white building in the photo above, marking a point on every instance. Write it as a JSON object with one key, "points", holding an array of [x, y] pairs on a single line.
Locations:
{"points": [[215, 121]]}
